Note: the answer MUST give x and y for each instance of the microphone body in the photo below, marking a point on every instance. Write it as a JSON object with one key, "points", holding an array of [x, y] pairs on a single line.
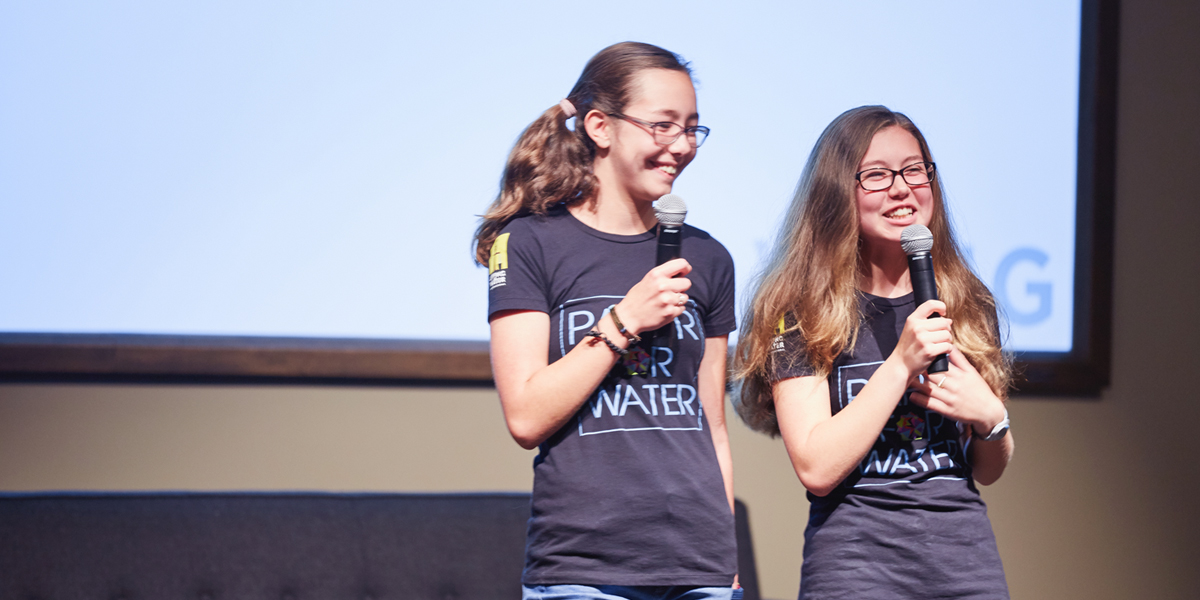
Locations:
{"points": [[670, 210], [668, 242], [917, 241]]}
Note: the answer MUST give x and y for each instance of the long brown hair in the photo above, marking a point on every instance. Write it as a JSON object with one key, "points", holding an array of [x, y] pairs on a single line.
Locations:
{"points": [[812, 276], [550, 164]]}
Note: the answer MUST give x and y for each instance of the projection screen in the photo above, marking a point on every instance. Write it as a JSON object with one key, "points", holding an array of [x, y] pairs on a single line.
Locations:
{"points": [[270, 190]]}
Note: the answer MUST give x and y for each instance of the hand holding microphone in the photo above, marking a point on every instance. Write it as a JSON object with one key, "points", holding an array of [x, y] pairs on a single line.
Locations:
{"points": [[661, 295]]}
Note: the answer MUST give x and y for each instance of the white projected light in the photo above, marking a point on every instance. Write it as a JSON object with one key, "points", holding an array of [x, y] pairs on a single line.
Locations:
{"points": [[255, 169]]}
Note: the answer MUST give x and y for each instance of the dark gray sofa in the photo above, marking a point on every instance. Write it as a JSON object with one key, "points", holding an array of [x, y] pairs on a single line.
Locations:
{"points": [[272, 546]]}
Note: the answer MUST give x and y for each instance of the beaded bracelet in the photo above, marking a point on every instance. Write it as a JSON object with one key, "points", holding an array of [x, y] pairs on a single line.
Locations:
{"points": [[633, 339], [604, 338]]}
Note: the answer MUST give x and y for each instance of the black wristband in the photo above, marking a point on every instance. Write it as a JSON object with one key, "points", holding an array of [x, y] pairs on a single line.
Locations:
{"points": [[604, 338]]}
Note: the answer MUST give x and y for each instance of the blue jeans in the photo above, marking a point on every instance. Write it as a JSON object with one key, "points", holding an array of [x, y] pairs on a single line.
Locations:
{"points": [[628, 592]]}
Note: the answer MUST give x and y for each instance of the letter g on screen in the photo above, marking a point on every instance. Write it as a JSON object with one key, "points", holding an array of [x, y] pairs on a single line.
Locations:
{"points": [[1039, 289]]}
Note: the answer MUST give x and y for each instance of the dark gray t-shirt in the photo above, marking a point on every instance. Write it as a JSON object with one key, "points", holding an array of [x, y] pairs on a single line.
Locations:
{"points": [[908, 522], [628, 492]]}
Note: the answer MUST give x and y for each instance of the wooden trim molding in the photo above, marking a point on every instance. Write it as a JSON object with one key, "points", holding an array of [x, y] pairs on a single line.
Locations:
{"points": [[124, 357]]}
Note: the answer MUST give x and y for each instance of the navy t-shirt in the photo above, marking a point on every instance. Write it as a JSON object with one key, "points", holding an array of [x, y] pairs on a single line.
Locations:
{"points": [[908, 522], [628, 492]]}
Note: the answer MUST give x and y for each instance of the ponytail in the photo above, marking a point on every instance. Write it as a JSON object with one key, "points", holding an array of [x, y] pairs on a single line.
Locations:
{"points": [[548, 166]]}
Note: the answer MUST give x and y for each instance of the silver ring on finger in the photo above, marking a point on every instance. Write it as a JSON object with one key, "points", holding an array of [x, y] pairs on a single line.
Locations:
{"points": [[939, 383], [682, 300]]}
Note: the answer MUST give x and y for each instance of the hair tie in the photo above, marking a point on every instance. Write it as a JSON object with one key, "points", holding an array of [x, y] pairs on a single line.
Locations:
{"points": [[567, 108]]}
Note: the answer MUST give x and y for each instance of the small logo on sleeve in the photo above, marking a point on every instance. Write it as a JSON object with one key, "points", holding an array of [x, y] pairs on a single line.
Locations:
{"points": [[498, 262], [777, 344]]}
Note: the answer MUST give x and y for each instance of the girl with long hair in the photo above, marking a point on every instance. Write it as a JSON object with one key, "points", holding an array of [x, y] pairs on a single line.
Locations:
{"points": [[613, 367], [834, 360]]}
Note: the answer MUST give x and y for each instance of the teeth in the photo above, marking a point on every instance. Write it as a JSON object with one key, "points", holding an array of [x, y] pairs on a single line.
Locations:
{"points": [[899, 213], [668, 169]]}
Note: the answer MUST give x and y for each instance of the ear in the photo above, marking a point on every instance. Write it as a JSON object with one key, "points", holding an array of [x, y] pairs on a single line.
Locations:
{"points": [[598, 127]]}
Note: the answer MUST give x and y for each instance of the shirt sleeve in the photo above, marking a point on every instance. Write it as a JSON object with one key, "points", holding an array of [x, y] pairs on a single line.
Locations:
{"points": [[788, 353], [516, 271], [721, 317]]}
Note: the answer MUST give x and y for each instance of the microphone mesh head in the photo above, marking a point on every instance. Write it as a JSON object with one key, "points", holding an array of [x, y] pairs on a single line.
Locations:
{"points": [[916, 239], [670, 210]]}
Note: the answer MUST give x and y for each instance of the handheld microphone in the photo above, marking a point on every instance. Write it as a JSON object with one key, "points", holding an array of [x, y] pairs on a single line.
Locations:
{"points": [[670, 210], [917, 241]]}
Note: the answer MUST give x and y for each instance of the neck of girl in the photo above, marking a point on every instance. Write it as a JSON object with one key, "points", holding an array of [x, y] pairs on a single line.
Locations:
{"points": [[616, 214], [884, 272]]}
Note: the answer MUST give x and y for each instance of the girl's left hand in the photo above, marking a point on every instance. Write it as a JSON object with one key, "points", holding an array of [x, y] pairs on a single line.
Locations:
{"points": [[960, 394]]}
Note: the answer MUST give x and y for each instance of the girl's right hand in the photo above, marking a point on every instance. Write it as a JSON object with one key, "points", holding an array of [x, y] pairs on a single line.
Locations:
{"points": [[923, 338], [657, 299]]}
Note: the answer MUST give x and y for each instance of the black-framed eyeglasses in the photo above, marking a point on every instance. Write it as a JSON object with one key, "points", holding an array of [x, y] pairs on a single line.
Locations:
{"points": [[877, 179], [666, 132]]}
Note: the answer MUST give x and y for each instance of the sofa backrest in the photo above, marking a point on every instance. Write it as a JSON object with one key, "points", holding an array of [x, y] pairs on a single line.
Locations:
{"points": [[268, 546]]}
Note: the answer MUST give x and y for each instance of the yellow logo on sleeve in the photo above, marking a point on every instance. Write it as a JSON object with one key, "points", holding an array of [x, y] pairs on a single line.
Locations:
{"points": [[777, 344], [498, 262], [499, 258]]}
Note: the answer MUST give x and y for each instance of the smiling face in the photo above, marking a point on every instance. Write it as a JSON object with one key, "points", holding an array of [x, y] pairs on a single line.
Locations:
{"points": [[634, 166], [882, 215]]}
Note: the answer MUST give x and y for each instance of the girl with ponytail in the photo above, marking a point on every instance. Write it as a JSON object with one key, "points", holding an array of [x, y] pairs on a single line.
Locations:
{"points": [[613, 367], [834, 361]]}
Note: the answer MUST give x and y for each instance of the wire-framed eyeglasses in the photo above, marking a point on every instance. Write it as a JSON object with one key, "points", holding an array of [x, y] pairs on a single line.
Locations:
{"points": [[877, 179], [665, 132]]}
